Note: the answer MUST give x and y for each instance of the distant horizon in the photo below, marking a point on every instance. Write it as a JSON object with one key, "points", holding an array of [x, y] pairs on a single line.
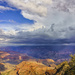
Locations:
{"points": [[38, 45]]}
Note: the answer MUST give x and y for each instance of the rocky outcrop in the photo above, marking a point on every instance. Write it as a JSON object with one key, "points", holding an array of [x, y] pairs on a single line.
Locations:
{"points": [[31, 68], [3, 54], [2, 67]]}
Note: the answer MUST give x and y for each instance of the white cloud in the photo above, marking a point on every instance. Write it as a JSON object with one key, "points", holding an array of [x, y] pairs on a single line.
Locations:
{"points": [[54, 20], [10, 21], [64, 5], [31, 28], [36, 7], [5, 8]]}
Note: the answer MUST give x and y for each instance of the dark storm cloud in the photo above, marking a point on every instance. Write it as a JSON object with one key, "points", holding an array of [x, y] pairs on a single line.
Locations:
{"points": [[40, 38]]}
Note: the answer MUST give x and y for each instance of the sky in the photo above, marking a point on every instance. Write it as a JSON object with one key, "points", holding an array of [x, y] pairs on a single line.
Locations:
{"points": [[37, 22]]}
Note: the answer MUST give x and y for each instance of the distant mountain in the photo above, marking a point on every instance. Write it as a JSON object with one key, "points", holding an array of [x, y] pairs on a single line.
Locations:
{"points": [[3, 54], [58, 53], [13, 57]]}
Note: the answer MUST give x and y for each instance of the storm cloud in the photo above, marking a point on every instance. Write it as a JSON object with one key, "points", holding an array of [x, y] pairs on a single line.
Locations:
{"points": [[54, 22]]}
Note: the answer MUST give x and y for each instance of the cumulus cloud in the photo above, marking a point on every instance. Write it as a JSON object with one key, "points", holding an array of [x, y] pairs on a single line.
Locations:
{"points": [[5, 8], [64, 5], [3, 38], [36, 7], [54, 22]]}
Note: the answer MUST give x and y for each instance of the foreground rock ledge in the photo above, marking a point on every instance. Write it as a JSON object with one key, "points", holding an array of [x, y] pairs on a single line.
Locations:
{"points": [[31, 68]]}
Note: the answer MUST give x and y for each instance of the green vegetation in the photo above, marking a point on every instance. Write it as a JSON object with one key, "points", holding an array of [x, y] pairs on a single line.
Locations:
{"points": [[66, 68], [71, 70]]}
